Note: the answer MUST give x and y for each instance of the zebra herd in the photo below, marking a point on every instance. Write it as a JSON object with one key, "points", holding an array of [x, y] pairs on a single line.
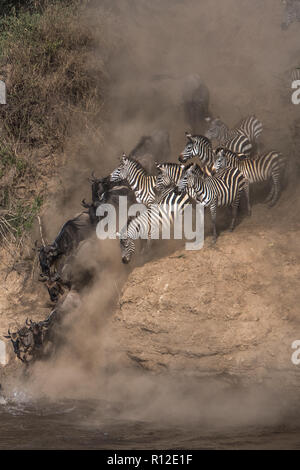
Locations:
{"points": [[218, 179]]}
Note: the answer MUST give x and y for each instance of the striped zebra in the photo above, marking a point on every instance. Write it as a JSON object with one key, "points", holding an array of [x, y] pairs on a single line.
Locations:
{"points": [[198, 146], [291, 13], [241, 139], [171, 173], [142, 184], [152, 221], [220, 190], [265, 167]]}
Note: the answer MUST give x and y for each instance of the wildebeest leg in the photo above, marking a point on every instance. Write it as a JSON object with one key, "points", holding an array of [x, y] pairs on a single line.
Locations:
{"points": [[213, 213]]}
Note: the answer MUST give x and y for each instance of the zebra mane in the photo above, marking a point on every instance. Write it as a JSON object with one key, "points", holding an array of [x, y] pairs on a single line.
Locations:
{"points": [[170, 164], [204, 140], [137, 164]]}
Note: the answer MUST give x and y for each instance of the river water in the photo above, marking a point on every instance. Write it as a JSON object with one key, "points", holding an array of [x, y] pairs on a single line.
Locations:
{"points": [[74, 424]]}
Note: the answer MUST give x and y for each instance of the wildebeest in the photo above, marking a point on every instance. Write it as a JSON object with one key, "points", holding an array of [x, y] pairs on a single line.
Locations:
{"points": [[70, 235], [36, 340], [105, 191], [56, 286], [152, 148], [195, 102], [28, 340]]}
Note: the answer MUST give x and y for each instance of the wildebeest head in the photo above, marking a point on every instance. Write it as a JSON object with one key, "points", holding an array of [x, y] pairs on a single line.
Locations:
{"points": [[55, 286], [47, 255], [14, 337], [38, 330], [23, 343]]}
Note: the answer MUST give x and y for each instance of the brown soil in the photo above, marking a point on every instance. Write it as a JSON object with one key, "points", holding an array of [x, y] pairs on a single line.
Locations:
{"points": [[229, 310]]}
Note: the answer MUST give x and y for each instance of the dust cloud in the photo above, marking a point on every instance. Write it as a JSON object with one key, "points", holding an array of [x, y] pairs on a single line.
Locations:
{"points": [[240, 52]]}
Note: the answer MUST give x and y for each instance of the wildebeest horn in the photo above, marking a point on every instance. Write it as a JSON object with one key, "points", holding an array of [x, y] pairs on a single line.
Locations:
{"points": [[85, 204], [92, 178], [26, 321], [43, 277]]}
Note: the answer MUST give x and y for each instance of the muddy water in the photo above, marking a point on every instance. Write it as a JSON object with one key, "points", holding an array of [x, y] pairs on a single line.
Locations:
{"points": [[73, 424]]}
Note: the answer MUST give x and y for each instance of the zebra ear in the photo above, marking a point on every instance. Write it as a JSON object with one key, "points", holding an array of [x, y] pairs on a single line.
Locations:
{"points": [[188, 135]]}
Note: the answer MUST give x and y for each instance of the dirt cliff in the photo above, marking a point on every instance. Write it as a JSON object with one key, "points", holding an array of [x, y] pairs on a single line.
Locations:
{"points": [[227, 311]]}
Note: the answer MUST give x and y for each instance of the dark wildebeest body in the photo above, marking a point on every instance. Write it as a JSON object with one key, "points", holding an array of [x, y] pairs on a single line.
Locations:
{"points": [[152, 148], [35, 340], [71, 234], [195, 103]]}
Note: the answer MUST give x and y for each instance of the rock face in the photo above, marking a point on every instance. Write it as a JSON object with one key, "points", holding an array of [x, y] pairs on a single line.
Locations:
{"points": [[230, 311]]}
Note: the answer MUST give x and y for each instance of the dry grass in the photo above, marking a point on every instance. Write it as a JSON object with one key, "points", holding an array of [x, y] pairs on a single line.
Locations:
{"points": [[46, 61]]}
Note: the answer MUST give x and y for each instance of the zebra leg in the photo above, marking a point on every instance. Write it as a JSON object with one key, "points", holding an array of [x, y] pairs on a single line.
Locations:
{"points": [[235, 206], [275, 189], [213, 213], [247, 194], [145, 245], [270, 195]]}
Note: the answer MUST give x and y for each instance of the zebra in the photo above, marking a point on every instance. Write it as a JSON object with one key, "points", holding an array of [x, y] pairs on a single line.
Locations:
{"points": [[155, 218], [135, 175], [291, 13], [265, 167], [242, 139], [220, 190], [198, 146], [171, 173]]}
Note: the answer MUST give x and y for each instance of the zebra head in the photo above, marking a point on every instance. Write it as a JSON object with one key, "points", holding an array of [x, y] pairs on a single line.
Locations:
{"points": [[217, 130], [168, 175], [197, 146], [121, 172], [220, 159], [127, 248], [187, 182]]}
